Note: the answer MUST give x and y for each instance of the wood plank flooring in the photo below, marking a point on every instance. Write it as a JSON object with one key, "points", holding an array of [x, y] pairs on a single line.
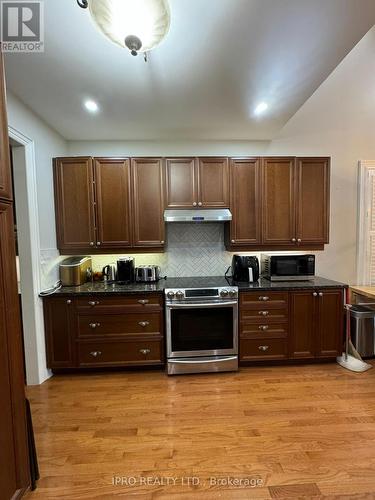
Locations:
{"points": [[279, 432]]}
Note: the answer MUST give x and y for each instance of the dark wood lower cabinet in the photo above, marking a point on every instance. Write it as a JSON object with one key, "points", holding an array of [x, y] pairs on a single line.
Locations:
{"points": [[104, 331]]}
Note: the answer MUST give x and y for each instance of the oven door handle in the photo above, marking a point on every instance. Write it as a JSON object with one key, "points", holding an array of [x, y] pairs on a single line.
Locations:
{"points": [[191, 362], [200, 304]]}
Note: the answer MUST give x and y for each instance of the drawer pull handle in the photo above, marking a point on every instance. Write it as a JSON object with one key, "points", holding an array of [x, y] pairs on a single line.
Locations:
{"points": [[143, 301], [320, 294], [68, 301], [145, 351], [94, 325], [95, 354], [315, 294], [263, 347], [263, 297], [263, 313], [93, 302], [263, 327], [144, 323]]}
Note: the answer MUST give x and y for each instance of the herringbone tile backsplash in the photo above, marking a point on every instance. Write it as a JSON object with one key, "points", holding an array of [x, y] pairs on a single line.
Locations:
{"points": [[192, 250]]}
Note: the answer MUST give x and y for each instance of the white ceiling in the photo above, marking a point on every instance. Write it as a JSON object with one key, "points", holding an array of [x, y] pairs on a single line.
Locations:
{"points": [[220, 58]]}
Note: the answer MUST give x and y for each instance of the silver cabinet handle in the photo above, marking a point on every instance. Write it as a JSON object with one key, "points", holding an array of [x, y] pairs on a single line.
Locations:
{"points": [[263, 347], [143, 323], [68, 301], [315, 294], [194, 204], [263, 327], [299, 240], [200, 204], [145, 351], [143, 301], [98, 243], [232, 241], [162, 242], [93, 302], [320, 294], [95, 354], [263, 313], [91, 243], [263, 297], [294, 240], [94, 325]]}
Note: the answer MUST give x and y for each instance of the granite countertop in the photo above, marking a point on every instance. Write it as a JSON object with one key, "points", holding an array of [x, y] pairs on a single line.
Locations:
{"points": [[195, 282]]}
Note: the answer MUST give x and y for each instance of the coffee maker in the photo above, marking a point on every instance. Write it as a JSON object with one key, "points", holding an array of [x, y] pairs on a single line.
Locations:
{"points": [[245, 268], [126, 270]]}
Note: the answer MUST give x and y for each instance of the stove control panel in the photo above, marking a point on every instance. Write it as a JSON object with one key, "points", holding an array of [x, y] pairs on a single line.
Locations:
{"points": [[187, 294]]}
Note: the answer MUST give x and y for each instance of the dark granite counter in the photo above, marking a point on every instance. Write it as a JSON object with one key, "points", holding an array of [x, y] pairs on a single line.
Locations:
{"points": [[195, 282]]}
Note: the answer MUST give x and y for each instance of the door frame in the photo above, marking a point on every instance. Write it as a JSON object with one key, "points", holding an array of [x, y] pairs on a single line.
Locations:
{"points": [[29, 252]]}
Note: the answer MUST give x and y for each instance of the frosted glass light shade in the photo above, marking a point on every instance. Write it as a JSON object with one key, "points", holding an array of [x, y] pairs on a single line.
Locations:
{"points": [[149, 20]]}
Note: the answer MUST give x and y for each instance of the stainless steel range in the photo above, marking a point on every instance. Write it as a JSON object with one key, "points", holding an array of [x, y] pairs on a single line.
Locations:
{"points": [[202, 329]]}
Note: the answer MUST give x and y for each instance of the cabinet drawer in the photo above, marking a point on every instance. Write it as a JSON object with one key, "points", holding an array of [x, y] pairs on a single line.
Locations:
{"points": [[264, 315], [263, 331], [263, 300], [135, 302], [118, 324], [142, 352], [263, 349]]}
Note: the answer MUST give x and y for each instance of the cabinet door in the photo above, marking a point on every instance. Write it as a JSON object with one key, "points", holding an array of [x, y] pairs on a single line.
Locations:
{"points": [[181, 182], [5, 177], [148, 202], [112, 182], [60, 337], [278, 201], [312, 209], [303, 310], [245, 226], [74, 203], [213, 182], [330, 325]]}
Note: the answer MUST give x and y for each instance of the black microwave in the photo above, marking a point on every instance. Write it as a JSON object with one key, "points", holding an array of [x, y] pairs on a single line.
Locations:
{"points": [[288, 267]]}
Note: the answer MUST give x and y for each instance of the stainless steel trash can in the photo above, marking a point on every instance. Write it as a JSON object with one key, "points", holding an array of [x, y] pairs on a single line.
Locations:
{"points": [[362, 321]]}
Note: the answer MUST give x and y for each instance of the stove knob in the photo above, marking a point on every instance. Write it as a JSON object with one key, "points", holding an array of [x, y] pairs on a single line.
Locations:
{"points": [[224, 293], [179, 294], [233, 293], [170, 295]]}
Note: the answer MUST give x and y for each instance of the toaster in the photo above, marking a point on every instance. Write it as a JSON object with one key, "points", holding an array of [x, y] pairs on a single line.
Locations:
{"points": [[147, 273], [75, 271]]}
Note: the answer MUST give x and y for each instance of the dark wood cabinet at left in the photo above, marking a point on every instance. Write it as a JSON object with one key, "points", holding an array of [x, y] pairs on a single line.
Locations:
{"points": [[100, 203]]}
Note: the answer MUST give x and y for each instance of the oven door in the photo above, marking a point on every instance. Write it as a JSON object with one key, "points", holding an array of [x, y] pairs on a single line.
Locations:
{"points": [[202, 329]]}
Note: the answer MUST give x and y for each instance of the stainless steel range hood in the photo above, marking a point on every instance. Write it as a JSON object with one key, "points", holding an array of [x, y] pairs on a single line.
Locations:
{"points": [[208, 215]]}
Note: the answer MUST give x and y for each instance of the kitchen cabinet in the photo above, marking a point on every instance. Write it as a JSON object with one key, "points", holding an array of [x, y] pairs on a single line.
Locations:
{"points": [[197, 182], [104, 331], [113, 202], [312, 210], [74, 201], [316, 323], [148, 202], [278, 201], [108, 203], [245, 228]]}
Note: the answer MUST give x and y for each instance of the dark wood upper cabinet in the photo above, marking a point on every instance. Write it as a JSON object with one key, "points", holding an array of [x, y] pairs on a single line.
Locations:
{"points": [[312, 210], [148, 202], [181, 183], [113, 202], [74, 200], [213, 182], [278, 204], [245, 228], [5, 173], [331, 314]]}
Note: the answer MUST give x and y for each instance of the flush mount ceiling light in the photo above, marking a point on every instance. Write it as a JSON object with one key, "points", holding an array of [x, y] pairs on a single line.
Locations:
{"points": [[91, 106], [260, 108], [139, 25]]}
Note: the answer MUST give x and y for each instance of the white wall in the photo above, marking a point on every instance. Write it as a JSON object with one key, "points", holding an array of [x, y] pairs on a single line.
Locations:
{"points": [[37, 145], [339, 121]]}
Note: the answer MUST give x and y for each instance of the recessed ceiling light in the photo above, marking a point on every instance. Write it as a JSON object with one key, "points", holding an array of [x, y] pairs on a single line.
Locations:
{"points": [[260, 108], [91, 106]]}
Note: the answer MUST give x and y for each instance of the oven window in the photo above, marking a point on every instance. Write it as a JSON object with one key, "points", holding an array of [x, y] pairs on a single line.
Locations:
{"points": [[201, 329]]}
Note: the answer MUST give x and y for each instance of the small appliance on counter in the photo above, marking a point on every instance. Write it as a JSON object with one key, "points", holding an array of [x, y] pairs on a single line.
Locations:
{"points": [[147, 274], [245, 268], [288, 267], [75, 271], [109, 272], [126, 270]]}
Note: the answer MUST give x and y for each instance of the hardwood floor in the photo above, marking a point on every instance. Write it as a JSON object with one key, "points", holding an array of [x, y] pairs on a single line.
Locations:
{"points": [[302, 431]]}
